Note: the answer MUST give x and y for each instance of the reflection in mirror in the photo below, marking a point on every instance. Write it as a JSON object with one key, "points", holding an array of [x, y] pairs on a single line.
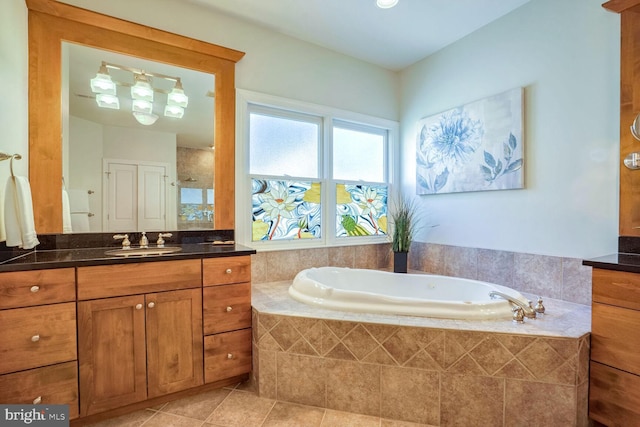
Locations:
{"points": [[121, 174]]}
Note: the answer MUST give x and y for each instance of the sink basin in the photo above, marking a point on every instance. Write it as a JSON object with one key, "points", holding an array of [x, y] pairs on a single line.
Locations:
{"points": [[143, 251]]}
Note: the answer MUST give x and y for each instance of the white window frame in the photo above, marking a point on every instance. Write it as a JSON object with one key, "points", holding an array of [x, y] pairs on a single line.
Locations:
{"points": [[243, 229]]}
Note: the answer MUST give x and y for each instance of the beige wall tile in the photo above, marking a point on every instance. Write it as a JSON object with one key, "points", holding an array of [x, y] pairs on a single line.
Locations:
{"points": [[495, 267], [471, 401], [342, 256], [301, 379], [538, 274], [461, 262], [267, 374], [259, 268], [353, 387], [530, 401], [576, 281], [366, 256], [410, 395]]}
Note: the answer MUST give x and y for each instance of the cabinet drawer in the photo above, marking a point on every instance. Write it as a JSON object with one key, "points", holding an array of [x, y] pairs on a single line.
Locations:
{"points": [[37, 336], [614, 396], [226, 308], [51, 385], [614, 337], [616, 288], [107, 281], [27, 288], [227, 355], [226, 270]]}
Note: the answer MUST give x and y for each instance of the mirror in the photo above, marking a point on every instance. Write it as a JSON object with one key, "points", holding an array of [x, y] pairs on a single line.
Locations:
{"points": [[159, 176], [52, 23]]}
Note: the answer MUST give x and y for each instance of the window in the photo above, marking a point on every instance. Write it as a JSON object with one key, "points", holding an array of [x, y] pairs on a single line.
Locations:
{"points": [[311, 174]]}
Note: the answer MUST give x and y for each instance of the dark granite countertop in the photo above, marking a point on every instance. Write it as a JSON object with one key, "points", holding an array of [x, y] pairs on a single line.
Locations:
{"points": [[619, 262], [59, 258]]}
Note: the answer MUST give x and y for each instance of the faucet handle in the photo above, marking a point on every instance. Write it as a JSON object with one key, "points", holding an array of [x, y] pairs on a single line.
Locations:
{"points": [[539, 308], [126, 244], [518, 315], [160, 241]]}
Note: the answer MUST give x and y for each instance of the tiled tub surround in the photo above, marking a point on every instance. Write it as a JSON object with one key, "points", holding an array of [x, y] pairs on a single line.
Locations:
{"points": [[551, 277], [428, 371]]}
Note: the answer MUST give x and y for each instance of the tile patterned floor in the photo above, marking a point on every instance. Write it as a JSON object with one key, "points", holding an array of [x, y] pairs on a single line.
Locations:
{"points": [[241, 407]]}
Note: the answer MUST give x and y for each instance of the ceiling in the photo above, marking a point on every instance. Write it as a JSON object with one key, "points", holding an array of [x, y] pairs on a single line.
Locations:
{"points": [[391, 38]]}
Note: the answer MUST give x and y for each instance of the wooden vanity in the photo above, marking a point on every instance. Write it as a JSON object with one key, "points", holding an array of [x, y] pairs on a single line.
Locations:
{"points": [[145, 333], [614, 391]]}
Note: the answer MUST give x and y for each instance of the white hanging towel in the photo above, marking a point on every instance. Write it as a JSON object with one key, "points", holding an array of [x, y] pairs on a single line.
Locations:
{"points": [[18, 214], [66, 213]]}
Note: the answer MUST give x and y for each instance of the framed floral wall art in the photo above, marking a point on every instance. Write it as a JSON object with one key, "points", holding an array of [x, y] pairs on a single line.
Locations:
{"points": [[475, 147]]}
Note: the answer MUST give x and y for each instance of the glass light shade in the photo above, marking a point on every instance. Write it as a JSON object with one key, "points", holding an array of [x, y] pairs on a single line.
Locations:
{"points": [[177, 97], [102, 83], [145, 118], [386, 4], [142, 88], [174, 111], [106, 100], [142, 106]]}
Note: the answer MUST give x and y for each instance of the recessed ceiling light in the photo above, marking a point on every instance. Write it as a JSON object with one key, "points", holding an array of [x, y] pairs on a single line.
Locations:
{"points": [[386, 4]]}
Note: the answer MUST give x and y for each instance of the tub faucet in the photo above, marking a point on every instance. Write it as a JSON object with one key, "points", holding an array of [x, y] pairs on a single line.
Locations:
{"points": [[527, 309]]}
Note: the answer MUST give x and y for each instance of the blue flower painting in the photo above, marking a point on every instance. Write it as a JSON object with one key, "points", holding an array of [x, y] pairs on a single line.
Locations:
{"points": [[475, 147]]}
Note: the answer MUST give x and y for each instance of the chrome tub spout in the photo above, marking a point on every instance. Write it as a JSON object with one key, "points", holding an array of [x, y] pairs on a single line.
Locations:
{"points": [[529, 312]]}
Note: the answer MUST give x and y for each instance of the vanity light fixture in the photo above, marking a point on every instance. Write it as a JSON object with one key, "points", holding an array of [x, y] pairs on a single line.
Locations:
{"points": [[142, 89], [386, 4], [177, 96], [142, 93], [102, 82], [146, 119]]}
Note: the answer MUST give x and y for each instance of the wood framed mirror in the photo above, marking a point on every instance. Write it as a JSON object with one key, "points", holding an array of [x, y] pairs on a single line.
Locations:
{"points": [[52, 23]]}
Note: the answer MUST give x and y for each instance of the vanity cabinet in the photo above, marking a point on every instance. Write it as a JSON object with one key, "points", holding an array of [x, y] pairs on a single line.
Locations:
{"points": [[38, 362], [138, 339], [614, 389], [227, 317]]}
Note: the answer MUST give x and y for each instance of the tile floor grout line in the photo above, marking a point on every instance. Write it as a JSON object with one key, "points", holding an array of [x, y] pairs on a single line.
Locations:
{"points": [[268, 413]]}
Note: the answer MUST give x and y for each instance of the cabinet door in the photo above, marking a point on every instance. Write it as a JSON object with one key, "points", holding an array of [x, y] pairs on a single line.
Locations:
{"points": [[111, 353], [174, 341]]}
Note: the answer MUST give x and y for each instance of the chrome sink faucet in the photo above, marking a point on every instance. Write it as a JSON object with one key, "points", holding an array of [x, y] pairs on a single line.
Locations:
{"points": [[126, 244], [161, 236], [527, 309], [144, 242]]}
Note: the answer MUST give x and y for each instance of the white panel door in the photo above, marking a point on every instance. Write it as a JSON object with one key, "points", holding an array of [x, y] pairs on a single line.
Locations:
{"points": [[151, 200], [122, 197]]}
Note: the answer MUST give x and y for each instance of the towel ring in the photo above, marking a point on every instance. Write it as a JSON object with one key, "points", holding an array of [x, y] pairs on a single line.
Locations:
{"points": [[4, 156]]}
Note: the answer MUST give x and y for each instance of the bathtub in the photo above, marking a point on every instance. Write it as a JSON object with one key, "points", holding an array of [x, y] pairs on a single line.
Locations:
{"points": [[426, 295]]}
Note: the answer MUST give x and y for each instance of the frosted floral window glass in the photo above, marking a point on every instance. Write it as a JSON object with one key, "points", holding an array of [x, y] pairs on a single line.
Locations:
{"points": [[358, 153], [283, 145], [361, 210], [285, 210]]}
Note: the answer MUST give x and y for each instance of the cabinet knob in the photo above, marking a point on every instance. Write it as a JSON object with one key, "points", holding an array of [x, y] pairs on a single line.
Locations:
{"points": [[229, 308], [35, 338], [37, 400], [35, 288], [229, 356], [138, 306], [151, 304], [228, 271]]}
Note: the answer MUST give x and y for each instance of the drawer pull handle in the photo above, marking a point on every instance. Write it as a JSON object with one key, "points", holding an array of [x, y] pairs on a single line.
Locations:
{"points": [[228, 271], [138, 306], [37, 400], [229, 308], [35, 338], [229, 356], [151, 304], [35, 288]]}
